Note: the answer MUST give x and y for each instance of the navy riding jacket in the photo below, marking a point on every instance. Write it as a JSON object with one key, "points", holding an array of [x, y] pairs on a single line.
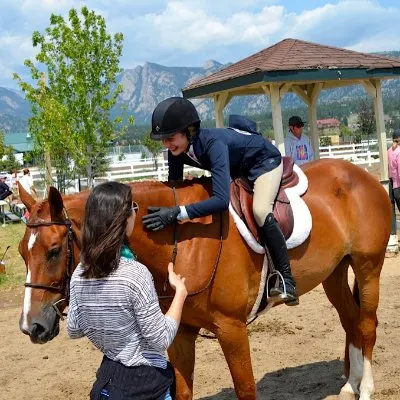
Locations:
{"points": [[226, 153]]}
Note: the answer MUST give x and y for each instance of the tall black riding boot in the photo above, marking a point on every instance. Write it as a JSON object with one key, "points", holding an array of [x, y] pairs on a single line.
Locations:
{"points": [[274, 240]]}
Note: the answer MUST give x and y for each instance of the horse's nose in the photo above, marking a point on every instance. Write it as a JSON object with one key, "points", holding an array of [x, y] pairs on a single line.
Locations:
{"points": [[37, 330], [38, 333]]}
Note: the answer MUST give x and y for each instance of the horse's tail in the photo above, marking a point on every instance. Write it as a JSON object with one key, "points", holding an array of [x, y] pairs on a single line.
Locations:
{"points": [[356, 296]]}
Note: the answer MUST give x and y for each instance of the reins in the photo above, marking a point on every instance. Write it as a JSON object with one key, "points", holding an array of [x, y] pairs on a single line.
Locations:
{"points": [[175, 253]]}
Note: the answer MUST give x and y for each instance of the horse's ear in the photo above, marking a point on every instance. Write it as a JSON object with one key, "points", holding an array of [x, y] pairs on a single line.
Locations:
{"points": [[26, 198], [55, 202]]}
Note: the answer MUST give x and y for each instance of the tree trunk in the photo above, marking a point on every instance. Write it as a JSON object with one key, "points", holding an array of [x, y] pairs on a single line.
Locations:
{"points": [[89, 168]]}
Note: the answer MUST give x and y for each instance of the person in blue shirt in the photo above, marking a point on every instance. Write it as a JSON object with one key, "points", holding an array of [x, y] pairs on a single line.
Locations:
{"points": [[238, 151], [298, 144]]}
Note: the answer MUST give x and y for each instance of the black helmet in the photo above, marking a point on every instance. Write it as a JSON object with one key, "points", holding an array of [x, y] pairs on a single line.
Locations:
{"points": [[172, 115]]}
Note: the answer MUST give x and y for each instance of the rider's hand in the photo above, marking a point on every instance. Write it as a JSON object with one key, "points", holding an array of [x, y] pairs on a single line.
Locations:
{"points": [[159, 217], [176, 281]]}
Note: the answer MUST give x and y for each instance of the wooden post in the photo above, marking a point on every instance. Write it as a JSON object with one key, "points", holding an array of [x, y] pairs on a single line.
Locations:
{"points": [[277, 118], [220, 102], [312, 117], [374, 89]]}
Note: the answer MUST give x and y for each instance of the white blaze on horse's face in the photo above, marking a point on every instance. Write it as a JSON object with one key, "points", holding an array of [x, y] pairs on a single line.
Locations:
{"points": [[28, 290], [32, 240], [27, 302]]}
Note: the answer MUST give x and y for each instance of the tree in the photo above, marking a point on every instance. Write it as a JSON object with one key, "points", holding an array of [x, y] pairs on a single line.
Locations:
{"points": [[325, 141], [8, 161], [345, 132], [71, 115], [366, 117], [154, 147]]}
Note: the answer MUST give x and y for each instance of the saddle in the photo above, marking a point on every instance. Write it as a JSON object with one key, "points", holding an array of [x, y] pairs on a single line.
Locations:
{"points": [[242, 201]]}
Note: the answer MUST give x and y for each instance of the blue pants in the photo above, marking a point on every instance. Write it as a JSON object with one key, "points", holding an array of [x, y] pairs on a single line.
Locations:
{"points": [[105, 395]]}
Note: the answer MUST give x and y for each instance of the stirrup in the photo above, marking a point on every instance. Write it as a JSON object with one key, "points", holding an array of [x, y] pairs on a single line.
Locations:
{"points": [[281, 297]]}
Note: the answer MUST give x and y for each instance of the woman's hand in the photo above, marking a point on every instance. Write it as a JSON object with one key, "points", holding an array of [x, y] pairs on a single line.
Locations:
{"points": [[176, 281]]}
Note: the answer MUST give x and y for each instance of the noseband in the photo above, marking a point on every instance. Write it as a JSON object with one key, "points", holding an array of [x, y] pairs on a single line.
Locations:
{"points": [[64, 289]]}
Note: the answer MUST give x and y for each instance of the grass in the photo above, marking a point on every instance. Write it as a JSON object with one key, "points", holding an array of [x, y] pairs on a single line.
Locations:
{"points": [[10, 235]]}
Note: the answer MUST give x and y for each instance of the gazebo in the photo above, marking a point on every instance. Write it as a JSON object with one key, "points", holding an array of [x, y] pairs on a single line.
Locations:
{"points": [[304, 68]]}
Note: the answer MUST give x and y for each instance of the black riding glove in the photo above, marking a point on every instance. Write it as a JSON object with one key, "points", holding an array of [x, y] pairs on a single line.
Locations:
{"points": [[159, 217]]}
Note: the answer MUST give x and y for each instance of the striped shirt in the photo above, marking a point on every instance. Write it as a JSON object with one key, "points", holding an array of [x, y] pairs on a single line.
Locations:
{"points": [[120, 314]]}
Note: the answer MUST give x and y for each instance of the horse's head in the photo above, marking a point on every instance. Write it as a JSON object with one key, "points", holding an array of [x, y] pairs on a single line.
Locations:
{"points": [[48, 251]]}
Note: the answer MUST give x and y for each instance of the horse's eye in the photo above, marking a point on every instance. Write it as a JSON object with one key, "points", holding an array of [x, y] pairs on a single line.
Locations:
{"points": [[53, 253]]}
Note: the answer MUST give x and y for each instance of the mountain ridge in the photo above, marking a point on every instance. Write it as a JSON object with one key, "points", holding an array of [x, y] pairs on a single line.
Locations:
{"points": [[146, 85]]}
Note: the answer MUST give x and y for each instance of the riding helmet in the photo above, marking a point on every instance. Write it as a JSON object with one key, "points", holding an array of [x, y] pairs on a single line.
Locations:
{"points": [[172, 115]]}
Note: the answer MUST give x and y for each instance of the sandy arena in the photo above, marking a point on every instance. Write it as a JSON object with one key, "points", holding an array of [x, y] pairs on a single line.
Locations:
{"points": [[297, 353]]}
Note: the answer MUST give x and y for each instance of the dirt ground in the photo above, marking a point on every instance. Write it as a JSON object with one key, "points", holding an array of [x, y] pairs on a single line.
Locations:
{"points": [[297, 354]]}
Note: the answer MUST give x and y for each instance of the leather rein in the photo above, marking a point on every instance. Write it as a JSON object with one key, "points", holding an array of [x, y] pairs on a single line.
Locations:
{"points": [[175, 253], [64, 288]]}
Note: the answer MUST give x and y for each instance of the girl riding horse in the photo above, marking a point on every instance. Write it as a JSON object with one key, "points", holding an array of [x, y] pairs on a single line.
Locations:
{"points": [[226, 152]]}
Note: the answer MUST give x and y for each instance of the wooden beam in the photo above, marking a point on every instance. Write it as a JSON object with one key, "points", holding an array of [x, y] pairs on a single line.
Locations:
{"points": [[380, 131], [284, 89], [370, 88], [266, 90], [300, 92], [277, 118], [220, 101]]}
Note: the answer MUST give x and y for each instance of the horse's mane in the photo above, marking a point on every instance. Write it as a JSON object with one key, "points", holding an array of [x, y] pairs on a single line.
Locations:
{"points": [[150, 184]]}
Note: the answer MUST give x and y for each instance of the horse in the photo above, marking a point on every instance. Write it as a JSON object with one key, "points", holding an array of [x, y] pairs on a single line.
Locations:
{"points": [[351, 215]]}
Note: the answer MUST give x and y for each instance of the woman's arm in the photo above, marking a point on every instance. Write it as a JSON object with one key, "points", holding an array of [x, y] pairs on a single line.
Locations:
{"points": [[73, 329], [158, 329]]}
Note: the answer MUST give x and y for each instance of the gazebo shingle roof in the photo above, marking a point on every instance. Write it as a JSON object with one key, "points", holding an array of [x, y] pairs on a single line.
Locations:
{"points": [[295, 55]]}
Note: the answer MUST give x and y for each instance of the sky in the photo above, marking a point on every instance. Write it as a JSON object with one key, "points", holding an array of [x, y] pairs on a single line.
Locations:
{"points": [[190, 32]]}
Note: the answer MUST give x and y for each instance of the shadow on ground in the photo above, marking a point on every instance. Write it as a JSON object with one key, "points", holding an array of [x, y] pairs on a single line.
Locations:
{"points": [[306, 382]]}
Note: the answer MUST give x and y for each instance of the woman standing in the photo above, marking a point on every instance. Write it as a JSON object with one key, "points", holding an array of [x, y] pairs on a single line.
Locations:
{"points": [[114, 304]]}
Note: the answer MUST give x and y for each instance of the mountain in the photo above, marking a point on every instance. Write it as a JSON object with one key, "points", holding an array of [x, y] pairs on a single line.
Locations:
{"points": [[145, 86], [14, 111]]}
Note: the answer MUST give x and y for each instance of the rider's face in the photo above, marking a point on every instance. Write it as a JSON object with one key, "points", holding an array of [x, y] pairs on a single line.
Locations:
{"points": [[176, 144]]}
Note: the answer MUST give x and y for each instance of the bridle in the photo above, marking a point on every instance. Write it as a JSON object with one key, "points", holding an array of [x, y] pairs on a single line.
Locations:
{"points": [[71, 237]]}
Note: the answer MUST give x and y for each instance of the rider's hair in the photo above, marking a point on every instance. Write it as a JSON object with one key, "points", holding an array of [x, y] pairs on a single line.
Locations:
{"points": [[106, 213], [191, 131]]}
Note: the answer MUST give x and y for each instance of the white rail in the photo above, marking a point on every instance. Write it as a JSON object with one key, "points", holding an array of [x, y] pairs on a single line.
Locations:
{"points": [[133, 168]]}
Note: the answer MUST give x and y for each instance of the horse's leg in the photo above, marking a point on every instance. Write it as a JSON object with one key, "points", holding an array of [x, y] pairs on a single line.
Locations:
{"points": [[367, 270], [182, 356], [232, 336], [337, 289]]}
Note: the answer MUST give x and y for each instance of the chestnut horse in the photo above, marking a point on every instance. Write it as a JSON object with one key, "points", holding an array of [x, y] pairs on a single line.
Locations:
{"points": [[351, 215]]}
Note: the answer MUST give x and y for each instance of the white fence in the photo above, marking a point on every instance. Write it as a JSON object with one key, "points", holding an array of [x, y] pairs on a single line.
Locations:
{"points": [[133, 168], [144, 169], [355, 153]]}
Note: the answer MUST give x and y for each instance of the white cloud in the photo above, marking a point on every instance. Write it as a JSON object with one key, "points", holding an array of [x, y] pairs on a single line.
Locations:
{"points": [[188, 32], [361, 25]]}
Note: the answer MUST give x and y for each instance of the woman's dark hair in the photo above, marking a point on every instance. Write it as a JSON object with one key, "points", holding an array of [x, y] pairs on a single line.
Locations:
{"points": [[107, 210], [191, 131]]}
